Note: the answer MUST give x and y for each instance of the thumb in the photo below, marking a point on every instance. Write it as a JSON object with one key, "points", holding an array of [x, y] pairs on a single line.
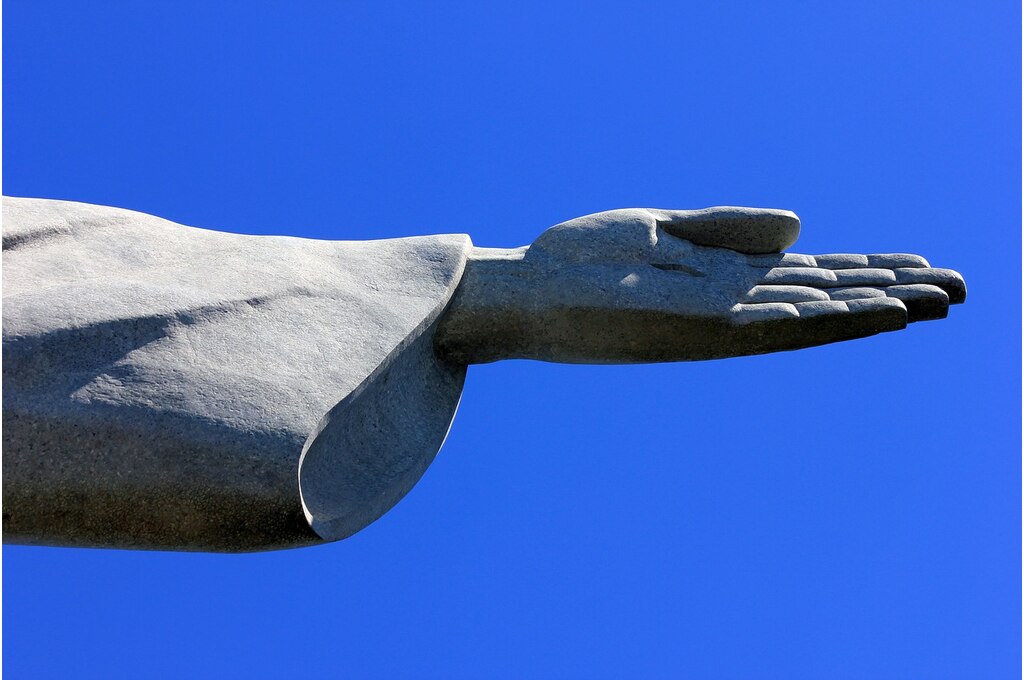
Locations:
{"points": [[747, 230]]}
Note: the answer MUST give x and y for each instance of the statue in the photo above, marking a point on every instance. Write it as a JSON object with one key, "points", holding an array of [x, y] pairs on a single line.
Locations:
{"points": [[167, 387]]}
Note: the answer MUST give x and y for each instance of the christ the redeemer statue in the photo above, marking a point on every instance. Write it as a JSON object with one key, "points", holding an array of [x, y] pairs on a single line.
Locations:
{"points": [[167, 387]]}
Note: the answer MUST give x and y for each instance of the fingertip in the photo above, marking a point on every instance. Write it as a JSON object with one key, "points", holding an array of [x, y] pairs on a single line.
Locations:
{"points": [[946, 279], [957, 290], [923, 302]]}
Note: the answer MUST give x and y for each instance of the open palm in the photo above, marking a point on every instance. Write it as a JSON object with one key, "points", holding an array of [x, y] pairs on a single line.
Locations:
{"points": [[642, 285]]}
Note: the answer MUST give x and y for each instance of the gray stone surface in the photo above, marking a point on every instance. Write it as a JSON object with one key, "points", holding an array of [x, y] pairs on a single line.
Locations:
{"points": [[625, 286], [175, 388], [161, 382]]}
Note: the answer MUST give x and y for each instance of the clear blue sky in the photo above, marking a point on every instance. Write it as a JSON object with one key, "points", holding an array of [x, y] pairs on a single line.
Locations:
{"points": [[850, 511]]}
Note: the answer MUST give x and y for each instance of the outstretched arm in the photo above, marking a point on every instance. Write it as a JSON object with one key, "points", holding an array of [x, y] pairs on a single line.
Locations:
{"points": [[641, 285]]}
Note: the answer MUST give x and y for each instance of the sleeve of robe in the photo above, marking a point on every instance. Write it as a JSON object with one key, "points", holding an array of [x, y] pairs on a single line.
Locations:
{"points": [[167, 387]]}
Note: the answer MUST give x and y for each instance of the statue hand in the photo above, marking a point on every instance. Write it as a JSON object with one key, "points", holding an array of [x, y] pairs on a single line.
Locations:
{"points": [[643, 285]]}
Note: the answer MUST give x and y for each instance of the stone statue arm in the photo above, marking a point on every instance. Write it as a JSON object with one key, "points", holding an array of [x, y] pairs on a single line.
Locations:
{"points": [[167, 387], [644, 285]]}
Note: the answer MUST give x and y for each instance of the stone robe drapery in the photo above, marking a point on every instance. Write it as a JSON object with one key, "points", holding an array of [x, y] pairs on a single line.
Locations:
{"points": [[167, 387]]}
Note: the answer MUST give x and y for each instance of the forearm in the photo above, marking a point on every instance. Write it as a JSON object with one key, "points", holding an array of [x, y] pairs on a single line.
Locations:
{"points": [[488, 317]]}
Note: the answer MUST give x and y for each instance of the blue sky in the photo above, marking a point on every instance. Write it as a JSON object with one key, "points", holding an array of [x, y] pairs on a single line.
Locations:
{"points": [[850, 511]]}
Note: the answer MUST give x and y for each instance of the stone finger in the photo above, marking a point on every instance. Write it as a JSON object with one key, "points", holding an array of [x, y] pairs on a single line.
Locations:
{"points": [[882, 313], [841, 261], [746, 230], [923, 302], [808, 310], [896, 260], [797, 276], [864, 277], [782, 260], [856, 317], [946, 279], [743, 314], [858, 293], [784, 294]]}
